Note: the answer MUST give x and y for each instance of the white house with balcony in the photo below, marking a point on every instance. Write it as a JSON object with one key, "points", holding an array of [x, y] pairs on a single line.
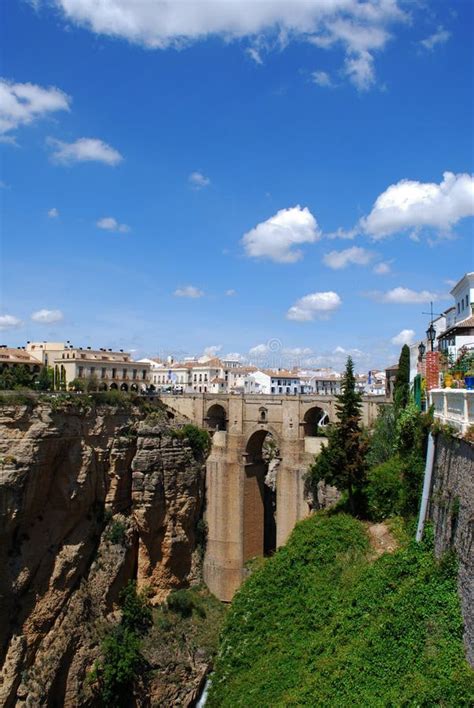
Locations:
{"points": [[459, 330]]}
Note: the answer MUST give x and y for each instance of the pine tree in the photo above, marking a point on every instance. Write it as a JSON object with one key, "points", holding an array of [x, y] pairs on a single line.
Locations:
{"points": [[401, 388], [342, 462]]}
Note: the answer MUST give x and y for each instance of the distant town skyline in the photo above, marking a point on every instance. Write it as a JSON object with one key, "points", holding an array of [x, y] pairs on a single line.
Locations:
{"points": [[274, 179]]}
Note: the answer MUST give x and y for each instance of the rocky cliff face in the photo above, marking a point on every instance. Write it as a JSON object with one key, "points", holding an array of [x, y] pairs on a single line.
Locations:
{"points": [[88, 499], [452, 513]]}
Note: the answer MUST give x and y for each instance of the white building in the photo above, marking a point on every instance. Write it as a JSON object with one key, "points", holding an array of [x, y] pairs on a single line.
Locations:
{"points": [[278, 382], [459, 331]]}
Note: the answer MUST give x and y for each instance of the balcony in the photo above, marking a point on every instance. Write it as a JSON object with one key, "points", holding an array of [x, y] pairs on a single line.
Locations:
{"points": [[453, 406]]}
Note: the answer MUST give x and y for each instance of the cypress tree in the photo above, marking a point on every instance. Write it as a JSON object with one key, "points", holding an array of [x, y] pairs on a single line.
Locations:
{"points": [[401, 388], [342, 462]]}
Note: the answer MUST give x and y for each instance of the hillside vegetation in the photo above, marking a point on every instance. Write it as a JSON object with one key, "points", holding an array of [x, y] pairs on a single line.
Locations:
{"points": [[319, 624]]}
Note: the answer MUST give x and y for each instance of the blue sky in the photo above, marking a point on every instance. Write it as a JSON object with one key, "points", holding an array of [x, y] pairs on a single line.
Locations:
{"points": [[189, 180]]}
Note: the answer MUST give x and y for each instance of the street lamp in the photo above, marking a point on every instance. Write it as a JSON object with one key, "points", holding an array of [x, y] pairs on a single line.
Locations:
{"points": [[431, 335], [421, 350]]}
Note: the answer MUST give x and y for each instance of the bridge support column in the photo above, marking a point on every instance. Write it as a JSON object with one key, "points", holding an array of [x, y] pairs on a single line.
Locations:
{"points": [[223, 561], [291, 504]]}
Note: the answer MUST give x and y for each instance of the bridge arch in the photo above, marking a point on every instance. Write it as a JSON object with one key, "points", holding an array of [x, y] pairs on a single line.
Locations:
{"points": [[262, 458], [216, 417], [314, 419]]}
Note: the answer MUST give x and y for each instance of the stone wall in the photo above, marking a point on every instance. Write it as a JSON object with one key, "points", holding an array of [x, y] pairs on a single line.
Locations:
{"points": [[452, 513]]}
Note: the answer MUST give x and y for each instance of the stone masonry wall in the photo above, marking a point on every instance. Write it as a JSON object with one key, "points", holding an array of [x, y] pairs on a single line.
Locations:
{"points": [[452, 513]]}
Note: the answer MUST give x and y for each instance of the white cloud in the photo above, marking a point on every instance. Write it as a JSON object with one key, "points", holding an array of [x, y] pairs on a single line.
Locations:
{"points": [[189, 291], [108, 223], [47, 316], [231, 292], [411, 205], [341, 259], [360, 28], [9, 322], [259, 350], [83, 150], [213, 350], [321, 78], [21, 104], [297, 351], [441, 36], [254, 54], [53, 213], [198, 181], [382, 268], [406, 296], [276, 237], [313, 306], [406, 336]]}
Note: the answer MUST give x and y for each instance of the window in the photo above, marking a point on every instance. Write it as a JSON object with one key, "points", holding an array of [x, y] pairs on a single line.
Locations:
{"points": [[92, 370], [114, 373], [102, 373], [144, 374], [273, 389], [134, 374], [80, 372], [459, 308], [200, 379], [124, 372]]}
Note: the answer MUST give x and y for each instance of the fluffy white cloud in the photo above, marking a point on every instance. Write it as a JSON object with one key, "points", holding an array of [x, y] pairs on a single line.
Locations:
{"points": [[231, 292], [341, 259], [259, 350], [313, 306], [406, 296], [213, 350], [321, 78], [108, 223], [382, 268], [47, 316], [9, 322], [53, 213], [21, 104], [439, 37], [360, 28], [83, 150], [406, 336], [276, 237], [189, 291], [198, 181], [417, 205]]}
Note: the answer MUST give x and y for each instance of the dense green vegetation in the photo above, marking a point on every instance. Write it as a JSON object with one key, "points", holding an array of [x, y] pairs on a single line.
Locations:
{"points": [[121, 661], [319, 624], [341, 462], [378, 471]]}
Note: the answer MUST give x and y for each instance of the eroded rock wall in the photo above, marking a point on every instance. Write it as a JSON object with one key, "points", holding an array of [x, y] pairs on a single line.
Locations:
{"points": [[88, 500], [452, 513]]}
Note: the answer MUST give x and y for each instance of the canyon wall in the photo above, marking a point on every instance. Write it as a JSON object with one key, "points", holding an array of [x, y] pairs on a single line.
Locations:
{"points": [[452, 513], [90, 497]]}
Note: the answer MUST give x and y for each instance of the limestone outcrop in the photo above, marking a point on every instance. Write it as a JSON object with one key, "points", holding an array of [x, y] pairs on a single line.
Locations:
{"points": [[89, 498]]}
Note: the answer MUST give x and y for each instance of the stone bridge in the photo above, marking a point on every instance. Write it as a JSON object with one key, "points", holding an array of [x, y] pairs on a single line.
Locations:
{"points": [[262, 446]]}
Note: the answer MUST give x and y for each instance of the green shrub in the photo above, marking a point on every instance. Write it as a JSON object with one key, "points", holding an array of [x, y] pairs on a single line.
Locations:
{"points": [[382, 440], [183, 602], [199, 439], [120, 664], [117, 532], [385, 489], [136, 612]]}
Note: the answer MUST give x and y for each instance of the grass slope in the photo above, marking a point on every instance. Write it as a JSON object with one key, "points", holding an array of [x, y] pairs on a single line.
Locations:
{"points": [[319, 625]]}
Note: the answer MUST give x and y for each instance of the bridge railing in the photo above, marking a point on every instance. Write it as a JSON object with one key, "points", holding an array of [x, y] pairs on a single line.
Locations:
{"points": [[453, 406]]}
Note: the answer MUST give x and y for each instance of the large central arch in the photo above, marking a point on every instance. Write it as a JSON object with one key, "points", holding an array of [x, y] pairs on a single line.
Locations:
{"points": [[259, 502], [216, 418]]}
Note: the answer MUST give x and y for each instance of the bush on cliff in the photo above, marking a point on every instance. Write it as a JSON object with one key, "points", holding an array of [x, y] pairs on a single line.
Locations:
{"points": [[319, 625]]}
